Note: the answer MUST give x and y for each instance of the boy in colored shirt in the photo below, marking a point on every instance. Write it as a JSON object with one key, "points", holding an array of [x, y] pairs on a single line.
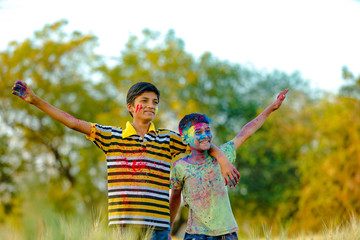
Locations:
{"points": [[198, 177], [138, 158]]}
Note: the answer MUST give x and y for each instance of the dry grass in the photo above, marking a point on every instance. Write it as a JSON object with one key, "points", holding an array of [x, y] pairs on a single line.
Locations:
{"points": [[53, 227]]}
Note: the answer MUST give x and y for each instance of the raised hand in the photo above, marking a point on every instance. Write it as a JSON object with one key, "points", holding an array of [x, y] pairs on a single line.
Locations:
{"points": [[279, 100], [21, 90]]}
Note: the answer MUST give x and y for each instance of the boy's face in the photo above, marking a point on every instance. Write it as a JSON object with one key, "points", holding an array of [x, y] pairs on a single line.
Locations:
{"points": [[198, 136], [145, 106]]}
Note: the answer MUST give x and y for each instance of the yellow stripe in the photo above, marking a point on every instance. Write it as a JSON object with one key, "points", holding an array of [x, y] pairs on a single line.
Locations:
{"points": [[139, 177], [121, 155], [137, 184], [166, 217], [130, 199], [136, 206], [142, 170]]}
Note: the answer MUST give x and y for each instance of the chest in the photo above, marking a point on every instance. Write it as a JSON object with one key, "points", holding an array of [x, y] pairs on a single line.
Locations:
{"points": [[205, 176]]}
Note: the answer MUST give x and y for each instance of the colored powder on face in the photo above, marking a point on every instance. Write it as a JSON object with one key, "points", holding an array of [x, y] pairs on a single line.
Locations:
{"points": [[156, 110], [138, 108], [189, 132]]}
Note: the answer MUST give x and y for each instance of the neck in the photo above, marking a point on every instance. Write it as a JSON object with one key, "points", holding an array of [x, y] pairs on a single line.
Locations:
{"points": [[198, 156], [141, 127]]}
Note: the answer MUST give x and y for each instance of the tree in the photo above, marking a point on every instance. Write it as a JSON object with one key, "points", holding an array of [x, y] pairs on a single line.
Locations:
{"points": [[351, 88], [59, 67], [329, 165]]}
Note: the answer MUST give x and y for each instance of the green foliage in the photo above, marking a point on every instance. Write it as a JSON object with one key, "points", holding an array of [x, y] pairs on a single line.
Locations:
{"points": [[351, 88], [59, 68], [329, 164], [291, 159]]}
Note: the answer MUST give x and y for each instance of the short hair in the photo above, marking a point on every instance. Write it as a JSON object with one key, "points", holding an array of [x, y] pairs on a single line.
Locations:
{"points": [[139, 88], [191, 120]]}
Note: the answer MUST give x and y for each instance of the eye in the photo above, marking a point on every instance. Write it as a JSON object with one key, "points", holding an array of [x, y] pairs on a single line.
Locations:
{"points": [[208, 131], [197, 132]]}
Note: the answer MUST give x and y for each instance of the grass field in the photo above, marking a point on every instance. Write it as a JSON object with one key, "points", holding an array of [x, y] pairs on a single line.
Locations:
{"points": [[53, 227]]}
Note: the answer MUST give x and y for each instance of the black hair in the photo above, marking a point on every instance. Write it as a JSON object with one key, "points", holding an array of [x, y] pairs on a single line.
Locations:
{"points": [[191, 120], [139, 88]]}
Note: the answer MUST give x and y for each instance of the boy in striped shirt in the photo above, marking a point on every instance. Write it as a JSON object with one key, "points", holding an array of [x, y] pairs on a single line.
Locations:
{"points": [[138, 158]]}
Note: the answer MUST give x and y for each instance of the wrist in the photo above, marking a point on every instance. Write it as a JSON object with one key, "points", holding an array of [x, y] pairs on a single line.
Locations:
{"points": [[35, 100]]}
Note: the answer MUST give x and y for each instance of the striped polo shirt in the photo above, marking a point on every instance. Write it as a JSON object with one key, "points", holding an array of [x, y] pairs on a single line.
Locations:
{"points": [[138, 173]]}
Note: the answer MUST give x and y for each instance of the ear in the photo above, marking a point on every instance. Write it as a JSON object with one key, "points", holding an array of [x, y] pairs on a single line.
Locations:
{"points": [[130, 108]]}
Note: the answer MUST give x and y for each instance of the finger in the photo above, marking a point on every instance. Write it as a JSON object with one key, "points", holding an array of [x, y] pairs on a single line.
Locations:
{"points": [[232, 180], [229, 182], [17, 87], [236, 180], [237, 173], [22, 83], [15, 93], [226, 182]]}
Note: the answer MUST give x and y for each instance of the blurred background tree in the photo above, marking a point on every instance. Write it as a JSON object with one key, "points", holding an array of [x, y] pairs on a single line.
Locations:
{"points": [[301, 163]]}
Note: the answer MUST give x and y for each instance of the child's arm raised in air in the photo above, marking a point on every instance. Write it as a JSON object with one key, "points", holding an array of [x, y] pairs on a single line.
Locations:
{"points": [[251, 127], [21, 90]]}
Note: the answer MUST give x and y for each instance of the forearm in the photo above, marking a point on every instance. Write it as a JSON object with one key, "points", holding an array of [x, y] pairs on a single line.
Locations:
{"points": [[256, 123], [61, 116], [251, 127], [228, 170], [175, 201], [215, 152]]}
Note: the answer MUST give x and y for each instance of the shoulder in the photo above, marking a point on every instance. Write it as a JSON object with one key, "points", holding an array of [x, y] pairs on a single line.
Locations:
{"points": [[172, 135], [167, 131], [229, 150], [180, 163], [107, 129]]}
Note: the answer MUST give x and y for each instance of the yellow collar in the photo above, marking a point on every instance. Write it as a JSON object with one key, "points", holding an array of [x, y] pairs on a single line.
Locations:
{"points": [[130, 130]]}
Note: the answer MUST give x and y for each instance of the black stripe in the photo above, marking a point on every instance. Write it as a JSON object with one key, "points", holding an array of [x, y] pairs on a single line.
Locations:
{"points": [[139, 181], [178, 142], [166, 201], [139, 203], [138, 174], [140, 219], [103, 127], [108, 137], [137, 190], [118, 160], [178, 149], [138, 144], [138, 210], [155, 169], [140, 151]]}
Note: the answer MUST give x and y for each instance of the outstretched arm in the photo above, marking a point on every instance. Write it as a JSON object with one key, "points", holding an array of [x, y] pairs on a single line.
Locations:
{"points": [[251, 127], [21, 90]]}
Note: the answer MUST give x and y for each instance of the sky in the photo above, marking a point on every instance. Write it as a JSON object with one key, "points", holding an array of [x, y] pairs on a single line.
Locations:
{"points": [[314, 37]]}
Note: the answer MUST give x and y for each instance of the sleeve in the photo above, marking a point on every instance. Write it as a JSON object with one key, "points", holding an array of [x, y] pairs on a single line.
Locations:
{"points": [[101, 136], [177, 146], [229, 150], [176, 178]]}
